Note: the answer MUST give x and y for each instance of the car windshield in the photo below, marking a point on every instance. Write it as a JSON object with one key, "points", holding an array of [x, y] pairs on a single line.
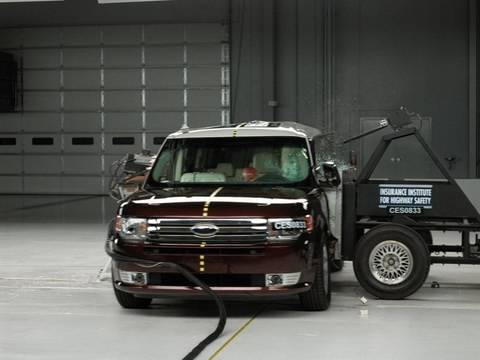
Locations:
{"points": [[266, 160]]}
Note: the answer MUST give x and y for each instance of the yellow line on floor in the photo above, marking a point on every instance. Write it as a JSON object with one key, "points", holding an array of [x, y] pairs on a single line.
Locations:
{"points": [[237, 333]]}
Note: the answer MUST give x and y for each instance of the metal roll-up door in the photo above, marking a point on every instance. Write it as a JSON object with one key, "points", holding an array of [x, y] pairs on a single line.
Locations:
{"points": [[93, 93]]}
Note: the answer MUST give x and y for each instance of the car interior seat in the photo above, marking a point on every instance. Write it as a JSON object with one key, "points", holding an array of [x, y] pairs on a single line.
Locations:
{"points": [[225, 169], [207, 177]]}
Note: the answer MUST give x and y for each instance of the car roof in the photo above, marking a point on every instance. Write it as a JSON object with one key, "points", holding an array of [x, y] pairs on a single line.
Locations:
{"points": [[250, 129]]}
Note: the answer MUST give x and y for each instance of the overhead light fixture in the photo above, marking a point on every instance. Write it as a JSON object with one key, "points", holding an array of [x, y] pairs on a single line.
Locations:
{"points": [[127, 1], [31, 1]]}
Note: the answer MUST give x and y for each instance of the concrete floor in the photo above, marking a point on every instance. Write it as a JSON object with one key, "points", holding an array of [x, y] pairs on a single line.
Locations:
{"points": [[53, 307]]}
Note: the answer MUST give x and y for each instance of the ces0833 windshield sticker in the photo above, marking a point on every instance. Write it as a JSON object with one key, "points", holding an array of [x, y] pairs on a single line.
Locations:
{"points": [[405, 199]]}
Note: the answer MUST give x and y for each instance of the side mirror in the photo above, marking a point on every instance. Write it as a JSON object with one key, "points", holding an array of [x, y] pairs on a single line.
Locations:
{"points": [[329, 174]]}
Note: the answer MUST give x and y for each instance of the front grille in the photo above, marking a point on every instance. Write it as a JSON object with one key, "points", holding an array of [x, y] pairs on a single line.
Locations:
{"points": [[240, 231], [219, 251], [226, 280]]}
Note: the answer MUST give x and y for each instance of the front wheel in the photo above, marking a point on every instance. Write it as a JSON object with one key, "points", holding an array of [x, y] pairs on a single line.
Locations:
{"points": [[391, 261], [319, 296], [336, 265], [129, 301]]}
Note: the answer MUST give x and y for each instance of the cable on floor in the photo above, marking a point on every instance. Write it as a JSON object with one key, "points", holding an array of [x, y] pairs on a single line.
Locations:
{"points": [[222, 313]]}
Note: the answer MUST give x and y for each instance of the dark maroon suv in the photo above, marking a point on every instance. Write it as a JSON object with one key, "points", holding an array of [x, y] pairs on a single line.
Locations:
{"points": [[243, 207]]}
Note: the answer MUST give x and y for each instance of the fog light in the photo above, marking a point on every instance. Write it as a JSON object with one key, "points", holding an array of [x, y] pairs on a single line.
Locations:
{"points": [[136, 278], [282, 279], [274, 280]]}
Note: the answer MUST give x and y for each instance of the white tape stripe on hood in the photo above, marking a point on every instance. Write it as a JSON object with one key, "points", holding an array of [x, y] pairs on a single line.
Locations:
{"points": [[222, 199]]}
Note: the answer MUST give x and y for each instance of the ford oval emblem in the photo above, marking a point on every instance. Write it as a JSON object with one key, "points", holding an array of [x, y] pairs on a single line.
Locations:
{"points": [[204, 230]]}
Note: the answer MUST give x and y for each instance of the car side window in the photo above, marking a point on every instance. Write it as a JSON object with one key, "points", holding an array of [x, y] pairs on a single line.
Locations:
{"points": [[328, 148], [320, 146], [163, 166]]}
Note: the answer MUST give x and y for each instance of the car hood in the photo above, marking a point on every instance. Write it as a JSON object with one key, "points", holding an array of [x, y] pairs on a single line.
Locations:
{"points": [[217, 202]]}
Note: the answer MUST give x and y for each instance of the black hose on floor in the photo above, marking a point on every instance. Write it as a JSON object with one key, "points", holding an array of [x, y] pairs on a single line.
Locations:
{"points": [[222, 313]]}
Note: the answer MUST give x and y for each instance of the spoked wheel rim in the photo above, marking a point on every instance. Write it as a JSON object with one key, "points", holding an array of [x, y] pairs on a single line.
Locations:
{"points": [[391, 262]]}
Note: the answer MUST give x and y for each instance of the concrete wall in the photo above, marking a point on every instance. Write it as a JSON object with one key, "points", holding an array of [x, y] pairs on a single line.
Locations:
{"points": [[89, 12], [328, 63], [332, 63], [278, 56]]}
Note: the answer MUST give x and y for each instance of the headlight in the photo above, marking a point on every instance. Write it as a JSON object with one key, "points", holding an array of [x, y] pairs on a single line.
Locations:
{"points": [[131, 228], [288, 229]]}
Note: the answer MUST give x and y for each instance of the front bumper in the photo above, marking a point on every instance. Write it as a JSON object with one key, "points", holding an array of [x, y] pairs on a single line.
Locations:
{"points": [[152, 291], [246, 269]]}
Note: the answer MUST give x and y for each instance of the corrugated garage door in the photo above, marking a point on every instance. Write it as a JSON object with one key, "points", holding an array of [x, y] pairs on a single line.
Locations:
{"points": [[92, 94]]}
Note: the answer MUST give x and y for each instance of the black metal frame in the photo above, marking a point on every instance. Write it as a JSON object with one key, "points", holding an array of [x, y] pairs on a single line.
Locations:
{"points": [[452, 210]]}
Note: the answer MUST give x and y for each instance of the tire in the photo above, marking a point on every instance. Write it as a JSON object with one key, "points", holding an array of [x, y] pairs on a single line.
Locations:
{"points": [[319, 296], [111, 229], [402, 246], [129, 301], [336, 265], [427, 237]]}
